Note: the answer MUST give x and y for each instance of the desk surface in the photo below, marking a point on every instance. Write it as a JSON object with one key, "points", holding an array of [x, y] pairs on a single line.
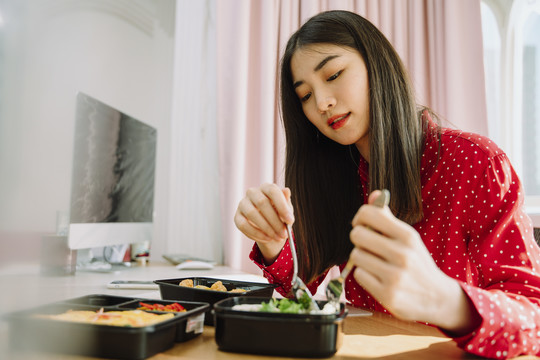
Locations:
{"points": [[378, 336], [23, 286]]}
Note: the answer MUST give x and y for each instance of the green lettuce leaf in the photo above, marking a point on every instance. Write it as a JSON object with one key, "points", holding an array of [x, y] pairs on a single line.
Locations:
{"points": [[288, 306]]}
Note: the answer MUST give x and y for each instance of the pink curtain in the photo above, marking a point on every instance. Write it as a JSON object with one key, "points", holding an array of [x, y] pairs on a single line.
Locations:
{"points": [[440, 42]]}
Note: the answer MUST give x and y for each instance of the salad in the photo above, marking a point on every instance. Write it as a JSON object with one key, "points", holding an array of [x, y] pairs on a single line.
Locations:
{"points": [[288, 306]]}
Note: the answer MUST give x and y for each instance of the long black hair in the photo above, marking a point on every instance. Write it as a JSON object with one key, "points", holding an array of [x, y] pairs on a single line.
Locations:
{"points": [[322, 174]]}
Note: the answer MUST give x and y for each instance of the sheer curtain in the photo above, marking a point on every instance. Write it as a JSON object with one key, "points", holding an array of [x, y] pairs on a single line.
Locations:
{"points": [[193, 212], [440, 42]]}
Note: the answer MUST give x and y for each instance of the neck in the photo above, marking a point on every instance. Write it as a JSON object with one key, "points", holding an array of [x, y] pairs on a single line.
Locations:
{"points": [[363, 149]]}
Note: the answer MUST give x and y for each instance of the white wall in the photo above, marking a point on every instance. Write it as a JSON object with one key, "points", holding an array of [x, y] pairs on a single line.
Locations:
{"points": [[120, 52]]}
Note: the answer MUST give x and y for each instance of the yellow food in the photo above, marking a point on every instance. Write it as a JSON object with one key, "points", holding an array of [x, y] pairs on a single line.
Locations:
{"points": [[238, 290], [131, 318], [217, 286], [186, 282]]}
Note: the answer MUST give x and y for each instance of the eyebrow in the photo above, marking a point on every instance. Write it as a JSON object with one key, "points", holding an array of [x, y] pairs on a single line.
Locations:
{"points": [[317, 68]]}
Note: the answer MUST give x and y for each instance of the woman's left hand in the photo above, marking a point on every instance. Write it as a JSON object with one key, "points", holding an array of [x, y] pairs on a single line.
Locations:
{"points": [[393, 265]]}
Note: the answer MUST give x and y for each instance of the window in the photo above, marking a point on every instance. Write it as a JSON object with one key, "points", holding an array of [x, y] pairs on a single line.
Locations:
{"points": [[531, 104], [492, 65], [512, 65]]}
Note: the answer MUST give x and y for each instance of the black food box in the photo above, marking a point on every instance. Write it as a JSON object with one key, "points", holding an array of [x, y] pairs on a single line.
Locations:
{"points": [[187, 328], [29, 332], [277, 334], [170, 290]]}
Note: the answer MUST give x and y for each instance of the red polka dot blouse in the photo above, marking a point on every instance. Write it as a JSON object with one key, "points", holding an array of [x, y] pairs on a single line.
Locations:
{"points": [[476, 230]]}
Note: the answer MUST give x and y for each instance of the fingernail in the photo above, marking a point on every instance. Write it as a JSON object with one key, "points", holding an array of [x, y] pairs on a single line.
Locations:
{"points": [[289, 218]]}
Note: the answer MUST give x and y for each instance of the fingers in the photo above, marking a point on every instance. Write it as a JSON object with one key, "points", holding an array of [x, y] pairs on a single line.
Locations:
{"points": [[251, 230], [370, 241], [374, 274], [262, 213], [289, 211], [368, 280], [377, 231], [375, 194], [270, 201], [370, 209], [369, 263], [379, 219], [281, 200], [382, 276], [377, 288]]}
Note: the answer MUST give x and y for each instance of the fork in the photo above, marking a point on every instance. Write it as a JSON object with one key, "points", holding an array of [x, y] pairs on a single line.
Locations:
{"points": [[298, 286], [335, 286]]}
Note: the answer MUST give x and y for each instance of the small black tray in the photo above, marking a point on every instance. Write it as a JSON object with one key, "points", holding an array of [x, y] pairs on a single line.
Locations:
{"points": [[170, 290], [30, 333], [277, 334]]}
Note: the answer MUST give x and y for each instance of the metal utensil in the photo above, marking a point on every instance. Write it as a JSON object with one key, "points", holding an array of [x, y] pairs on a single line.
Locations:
{"points": [[298, 286], [335, 286]]}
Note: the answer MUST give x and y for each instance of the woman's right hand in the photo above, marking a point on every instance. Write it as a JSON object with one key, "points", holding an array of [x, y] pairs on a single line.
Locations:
{"points": [[261, 215]]}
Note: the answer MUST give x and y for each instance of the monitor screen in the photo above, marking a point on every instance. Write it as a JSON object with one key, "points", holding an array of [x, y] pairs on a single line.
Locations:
{"points": [[112, 188]]}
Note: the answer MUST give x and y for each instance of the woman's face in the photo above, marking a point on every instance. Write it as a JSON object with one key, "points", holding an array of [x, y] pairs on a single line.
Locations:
{"points": [[332, 84]]}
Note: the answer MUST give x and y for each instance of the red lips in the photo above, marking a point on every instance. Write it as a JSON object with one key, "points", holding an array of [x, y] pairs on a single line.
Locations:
{"points": [[338, 121]]}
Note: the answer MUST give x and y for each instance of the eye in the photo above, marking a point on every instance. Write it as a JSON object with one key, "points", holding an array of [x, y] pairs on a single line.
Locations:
{"points": [[305, 97], [335, 76]]}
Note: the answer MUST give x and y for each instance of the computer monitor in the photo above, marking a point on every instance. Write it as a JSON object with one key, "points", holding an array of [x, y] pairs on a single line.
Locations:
{"points": [[112, 188]]}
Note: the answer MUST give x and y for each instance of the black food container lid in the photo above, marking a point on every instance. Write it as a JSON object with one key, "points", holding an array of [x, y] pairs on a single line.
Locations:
{"points": [[277, 334]]}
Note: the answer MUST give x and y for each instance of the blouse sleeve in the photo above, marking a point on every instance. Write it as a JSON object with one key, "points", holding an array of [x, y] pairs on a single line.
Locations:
{"points": [[507, 259], [280, 272]]}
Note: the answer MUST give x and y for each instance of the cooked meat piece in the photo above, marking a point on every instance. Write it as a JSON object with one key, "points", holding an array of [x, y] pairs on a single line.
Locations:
{"points": [[218, 286], [238, 290], [186, 282]]}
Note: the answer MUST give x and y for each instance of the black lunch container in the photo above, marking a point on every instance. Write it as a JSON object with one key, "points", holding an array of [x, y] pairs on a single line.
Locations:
{"points": [[170, 290], [29, 332], [277, 334]]}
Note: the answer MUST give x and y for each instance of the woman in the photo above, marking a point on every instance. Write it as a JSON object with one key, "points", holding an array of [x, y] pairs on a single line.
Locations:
{"points": [[454, 248]]}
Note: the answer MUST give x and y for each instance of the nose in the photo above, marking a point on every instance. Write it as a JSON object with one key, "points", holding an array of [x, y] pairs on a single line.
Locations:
{"points": [[326, 103]]}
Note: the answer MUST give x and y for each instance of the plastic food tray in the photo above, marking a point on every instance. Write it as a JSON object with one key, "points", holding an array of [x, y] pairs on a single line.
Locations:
{"points": [[277, 334], [170, 290], [27, 332]]}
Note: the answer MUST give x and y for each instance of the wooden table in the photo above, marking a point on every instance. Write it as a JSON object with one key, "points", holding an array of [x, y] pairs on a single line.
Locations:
{"points": [[377, 336], [366, 337]]}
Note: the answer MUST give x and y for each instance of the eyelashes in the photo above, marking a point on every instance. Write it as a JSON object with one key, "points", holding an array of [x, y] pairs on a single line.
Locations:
{"points": [[331, 78], [335, 76]]}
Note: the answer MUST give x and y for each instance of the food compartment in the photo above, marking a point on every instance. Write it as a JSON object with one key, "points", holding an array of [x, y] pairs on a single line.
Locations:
{"points": [[100, 300], [277, 334], [191, 322], [171, 290], [29, 332]]}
